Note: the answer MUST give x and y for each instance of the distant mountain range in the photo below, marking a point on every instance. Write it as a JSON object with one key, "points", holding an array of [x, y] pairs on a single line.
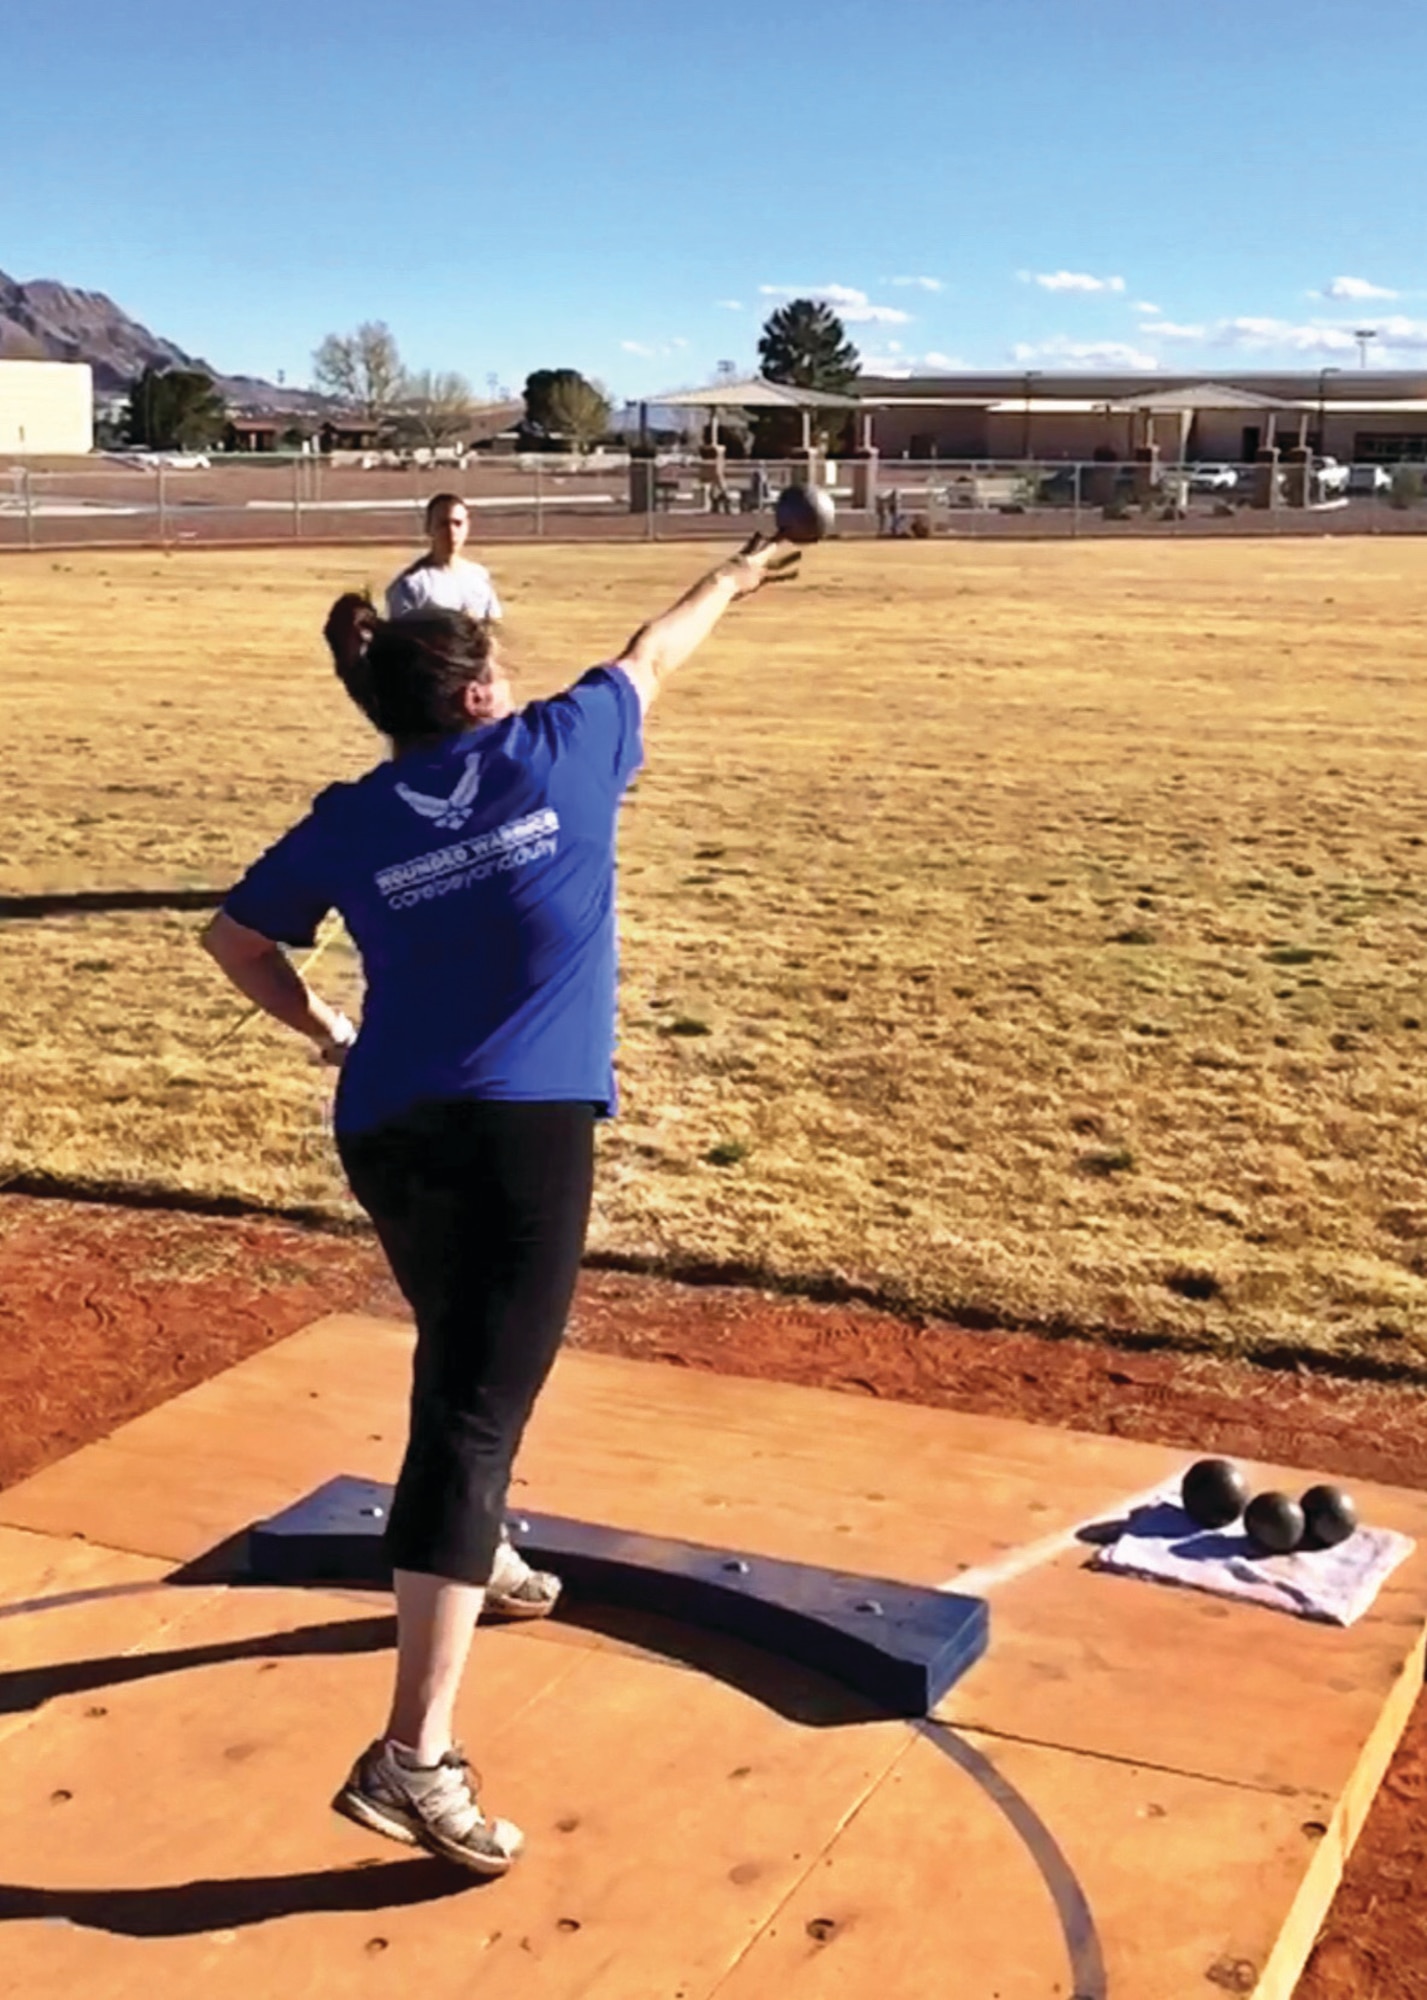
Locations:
{"points": [[47, 320]]}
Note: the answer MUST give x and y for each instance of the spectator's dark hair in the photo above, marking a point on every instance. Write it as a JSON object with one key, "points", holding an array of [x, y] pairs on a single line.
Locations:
{"points": [[436, 503], [409, 677]]}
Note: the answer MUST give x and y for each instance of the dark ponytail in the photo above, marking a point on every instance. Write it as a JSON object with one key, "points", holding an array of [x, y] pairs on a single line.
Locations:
{"points": [[348, 632], [409, 676]]}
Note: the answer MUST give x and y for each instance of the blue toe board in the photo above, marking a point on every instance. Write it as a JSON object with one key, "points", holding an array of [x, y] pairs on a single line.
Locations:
{"points": [[899, 1644]]}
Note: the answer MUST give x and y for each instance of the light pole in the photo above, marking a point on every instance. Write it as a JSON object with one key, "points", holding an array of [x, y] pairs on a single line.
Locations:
{"points": [[1031, 376], [1362, 336], [1323, 374]]}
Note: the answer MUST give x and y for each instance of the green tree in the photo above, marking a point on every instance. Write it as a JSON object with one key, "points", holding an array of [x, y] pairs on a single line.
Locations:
{"points": [[361, 369], [436, 409], [804, 344], [578, 410], [174, 409], [541, 387]]}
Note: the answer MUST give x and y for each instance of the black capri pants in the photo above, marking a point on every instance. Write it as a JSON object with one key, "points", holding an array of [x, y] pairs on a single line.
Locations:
{"points": [[481, 1208]]}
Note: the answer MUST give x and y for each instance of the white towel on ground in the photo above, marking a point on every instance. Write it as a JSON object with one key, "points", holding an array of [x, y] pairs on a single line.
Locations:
{"points": [[1335, 1586]]}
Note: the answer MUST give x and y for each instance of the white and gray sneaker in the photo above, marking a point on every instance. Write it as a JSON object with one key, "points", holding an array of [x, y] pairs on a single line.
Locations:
{"points": [[434, 1806], [515, 1589]]}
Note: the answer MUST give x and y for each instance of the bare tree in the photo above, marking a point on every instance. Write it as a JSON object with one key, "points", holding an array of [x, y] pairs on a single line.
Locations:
{"points": [[436, 409], [362, 369], [578, 410]]}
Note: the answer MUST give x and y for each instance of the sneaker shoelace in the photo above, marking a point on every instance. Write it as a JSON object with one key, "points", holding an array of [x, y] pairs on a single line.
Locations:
{"points": [[453, 1795]]}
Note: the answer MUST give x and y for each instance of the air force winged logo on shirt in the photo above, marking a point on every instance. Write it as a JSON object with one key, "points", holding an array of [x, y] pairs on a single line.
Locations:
{"points": [[450, 813]]}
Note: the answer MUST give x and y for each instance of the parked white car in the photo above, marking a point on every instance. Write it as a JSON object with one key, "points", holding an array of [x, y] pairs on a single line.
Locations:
{"points": [[167, 461], [1330, 477], [1213, 478]]}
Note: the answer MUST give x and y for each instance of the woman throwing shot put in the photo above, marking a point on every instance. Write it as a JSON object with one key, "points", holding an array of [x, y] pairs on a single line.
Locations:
{"points": [[475, 872]]}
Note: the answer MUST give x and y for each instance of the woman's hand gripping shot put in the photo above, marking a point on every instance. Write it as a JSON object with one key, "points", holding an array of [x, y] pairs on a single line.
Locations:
{"points": [[475, 872]]}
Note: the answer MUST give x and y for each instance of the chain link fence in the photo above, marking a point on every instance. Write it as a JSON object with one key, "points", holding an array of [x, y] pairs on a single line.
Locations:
{"points": [[179, 500]]}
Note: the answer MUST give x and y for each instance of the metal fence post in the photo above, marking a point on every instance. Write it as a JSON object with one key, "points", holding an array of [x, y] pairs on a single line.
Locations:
{"points": [[1075, 498], [163, 509], [29, 498], [297, 464], [539, 500]]}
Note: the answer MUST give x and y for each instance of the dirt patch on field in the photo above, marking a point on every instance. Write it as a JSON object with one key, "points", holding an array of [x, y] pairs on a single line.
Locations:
{"points": [[106, 1312]]}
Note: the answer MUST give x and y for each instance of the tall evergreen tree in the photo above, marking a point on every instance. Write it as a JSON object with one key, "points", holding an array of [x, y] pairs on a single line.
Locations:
{"points": [[174, 409], [804, 344]]}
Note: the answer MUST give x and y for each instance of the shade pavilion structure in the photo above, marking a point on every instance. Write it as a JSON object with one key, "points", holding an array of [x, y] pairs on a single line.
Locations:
{"points": [[1180, 407], [1163, 416], [756, 392]]}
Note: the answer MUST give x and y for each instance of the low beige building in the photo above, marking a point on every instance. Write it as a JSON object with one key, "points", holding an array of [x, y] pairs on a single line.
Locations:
{"points": [[46, 409], [1358, 416]]}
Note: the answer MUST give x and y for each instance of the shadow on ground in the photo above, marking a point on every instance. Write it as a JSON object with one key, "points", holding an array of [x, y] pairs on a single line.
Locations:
{"points": [[188, 1909]]}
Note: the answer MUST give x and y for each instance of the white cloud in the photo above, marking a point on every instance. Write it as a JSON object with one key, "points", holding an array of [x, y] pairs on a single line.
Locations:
{"points": [[730, 305], [1062, 352], [838, 295], [1070, 281], [921, 284], [1265, 334], [1392, 332], [897, 366], [1257, 334], [1144, 306], [1354, 288], [1395, 330], [651, 350], [850, 304]]}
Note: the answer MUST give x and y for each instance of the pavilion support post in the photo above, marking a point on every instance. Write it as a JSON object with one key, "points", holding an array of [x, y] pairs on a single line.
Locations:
{"points": [[642, 470], [713, 476], [1098, 487], [1265, 491], [803, 463], [1146, 472], [864, 479]]}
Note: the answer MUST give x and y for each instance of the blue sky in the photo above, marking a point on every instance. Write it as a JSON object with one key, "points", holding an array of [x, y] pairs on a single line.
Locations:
{"points": [[630, 188]]}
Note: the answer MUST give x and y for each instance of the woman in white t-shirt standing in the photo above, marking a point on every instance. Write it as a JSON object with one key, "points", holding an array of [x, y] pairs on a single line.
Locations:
{"points": [[442, 579]]}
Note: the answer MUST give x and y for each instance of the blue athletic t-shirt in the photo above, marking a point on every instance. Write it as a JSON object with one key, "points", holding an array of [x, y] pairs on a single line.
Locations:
{"points": [[477, 881]]}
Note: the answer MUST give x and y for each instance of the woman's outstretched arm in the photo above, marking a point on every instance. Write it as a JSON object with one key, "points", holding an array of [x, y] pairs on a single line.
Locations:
{"points": [[668, 640]]}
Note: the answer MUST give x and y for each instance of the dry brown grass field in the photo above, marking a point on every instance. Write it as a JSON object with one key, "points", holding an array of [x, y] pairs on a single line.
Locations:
{"points": [[1035, 934]]}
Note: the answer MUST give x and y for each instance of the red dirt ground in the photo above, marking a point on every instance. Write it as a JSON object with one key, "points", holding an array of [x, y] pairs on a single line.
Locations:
{"points": [[141, 1304]]}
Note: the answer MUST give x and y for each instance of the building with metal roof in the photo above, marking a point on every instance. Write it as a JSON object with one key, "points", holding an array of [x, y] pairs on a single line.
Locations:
{"points": [[1355, 415]]}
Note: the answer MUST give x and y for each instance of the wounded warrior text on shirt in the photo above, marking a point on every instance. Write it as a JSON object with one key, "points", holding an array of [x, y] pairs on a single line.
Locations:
{"points": [[514, 845]]}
